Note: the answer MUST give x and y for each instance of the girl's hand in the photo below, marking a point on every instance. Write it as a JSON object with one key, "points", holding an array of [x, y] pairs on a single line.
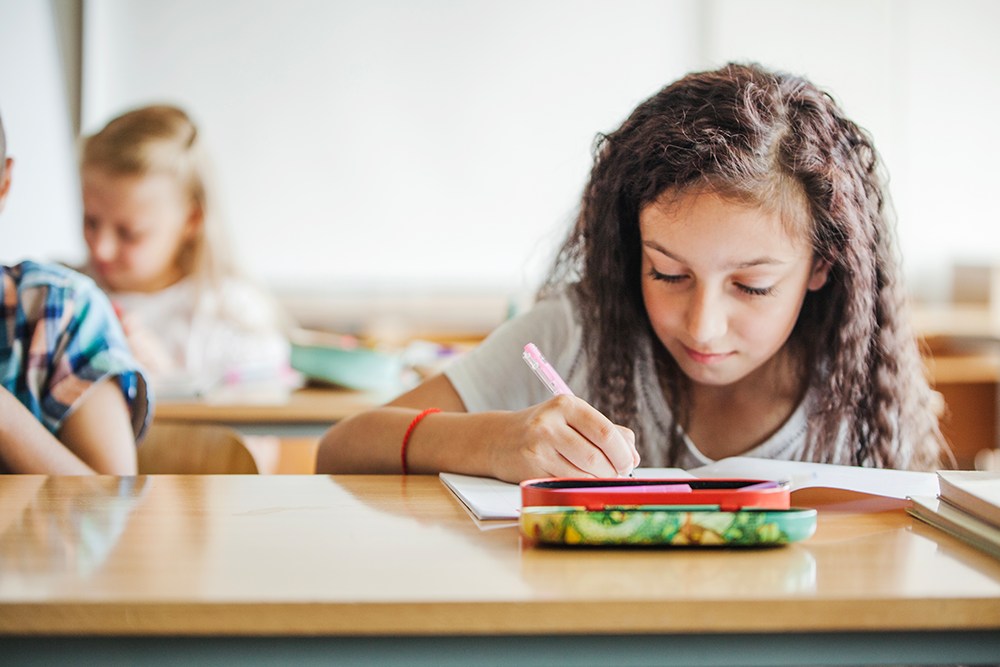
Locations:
{"points": [[563, 437], [146, 347]]}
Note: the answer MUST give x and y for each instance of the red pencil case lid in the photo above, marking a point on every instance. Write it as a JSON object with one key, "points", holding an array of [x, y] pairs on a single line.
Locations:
{"points": [[725, 494]]}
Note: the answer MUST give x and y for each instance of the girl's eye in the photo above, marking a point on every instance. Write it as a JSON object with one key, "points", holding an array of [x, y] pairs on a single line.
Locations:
{"points": [[666, 277], [755, 291], [127, 236]]}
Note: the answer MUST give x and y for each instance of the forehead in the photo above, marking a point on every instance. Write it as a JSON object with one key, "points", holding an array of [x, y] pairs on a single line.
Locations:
{"points": [[131, 191], [778, 193], [703, 223]]}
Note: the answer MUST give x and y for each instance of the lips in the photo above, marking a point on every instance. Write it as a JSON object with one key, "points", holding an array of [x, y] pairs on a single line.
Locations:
{"points": [[707, 357]]}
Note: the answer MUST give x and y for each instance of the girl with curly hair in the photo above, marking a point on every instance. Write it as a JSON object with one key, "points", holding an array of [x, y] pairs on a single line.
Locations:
{"points": [[730, 287]]}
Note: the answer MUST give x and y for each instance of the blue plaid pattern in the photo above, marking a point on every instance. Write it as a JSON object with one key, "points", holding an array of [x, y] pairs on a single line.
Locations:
{"points": [[60, 335]]}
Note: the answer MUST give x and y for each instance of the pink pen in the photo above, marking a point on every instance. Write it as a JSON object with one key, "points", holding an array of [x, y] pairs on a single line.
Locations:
{"points": [[543, 369], [548, 375]]}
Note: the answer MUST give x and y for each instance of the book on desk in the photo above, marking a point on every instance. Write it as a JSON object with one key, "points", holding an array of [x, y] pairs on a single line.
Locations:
{"points": [[967, 506]]}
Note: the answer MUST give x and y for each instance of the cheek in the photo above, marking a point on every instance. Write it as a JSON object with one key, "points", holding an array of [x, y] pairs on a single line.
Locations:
{"points": [[768, 326], [139, 257], [662, 308]]}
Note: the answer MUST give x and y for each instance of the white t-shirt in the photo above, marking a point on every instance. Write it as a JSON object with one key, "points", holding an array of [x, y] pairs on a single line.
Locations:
{"points": [[494, 377], [210, 333]]}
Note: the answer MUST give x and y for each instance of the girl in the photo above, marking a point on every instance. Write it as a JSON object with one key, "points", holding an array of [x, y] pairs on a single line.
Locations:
{"points": [[729, 288], [157, 247]]}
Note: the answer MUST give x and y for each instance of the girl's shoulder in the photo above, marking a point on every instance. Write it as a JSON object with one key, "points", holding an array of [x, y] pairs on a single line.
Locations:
{"points": [[552, 320]]}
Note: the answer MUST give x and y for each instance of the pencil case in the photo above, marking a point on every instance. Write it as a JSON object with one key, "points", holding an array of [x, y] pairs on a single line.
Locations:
{"points": [[667, 512]]}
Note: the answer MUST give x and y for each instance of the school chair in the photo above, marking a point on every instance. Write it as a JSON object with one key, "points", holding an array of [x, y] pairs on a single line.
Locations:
{"points": [[194, 449]]}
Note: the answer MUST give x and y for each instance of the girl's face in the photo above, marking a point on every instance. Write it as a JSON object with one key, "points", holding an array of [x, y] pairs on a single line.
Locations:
{"points": [[135, 228], [723, 283]]}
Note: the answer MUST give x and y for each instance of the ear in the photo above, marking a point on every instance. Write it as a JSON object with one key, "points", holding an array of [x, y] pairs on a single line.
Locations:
{"points": [[820, 272], [194, 223], [5, 181]]}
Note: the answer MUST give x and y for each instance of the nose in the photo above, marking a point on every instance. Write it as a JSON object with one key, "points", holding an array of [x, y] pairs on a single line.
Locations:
{"points": [[102, 245], [707, 319]]}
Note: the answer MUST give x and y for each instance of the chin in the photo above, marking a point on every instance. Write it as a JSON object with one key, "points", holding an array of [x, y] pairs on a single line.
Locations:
{"points": [[714, 376], [711, 379]]}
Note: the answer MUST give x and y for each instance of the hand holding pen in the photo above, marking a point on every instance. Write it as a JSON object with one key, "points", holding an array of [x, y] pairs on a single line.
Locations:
{"points": [[616, 443]]}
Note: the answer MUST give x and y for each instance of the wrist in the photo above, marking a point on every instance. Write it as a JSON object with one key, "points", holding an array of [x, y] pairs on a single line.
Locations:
{"points": [[408, 436]]}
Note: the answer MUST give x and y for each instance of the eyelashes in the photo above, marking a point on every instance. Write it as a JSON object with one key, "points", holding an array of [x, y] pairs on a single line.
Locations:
{"points": [[755, 291], [675, 279]]}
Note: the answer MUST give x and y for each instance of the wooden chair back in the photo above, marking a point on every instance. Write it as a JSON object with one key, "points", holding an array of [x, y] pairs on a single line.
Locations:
{"points": [[194, 449]]}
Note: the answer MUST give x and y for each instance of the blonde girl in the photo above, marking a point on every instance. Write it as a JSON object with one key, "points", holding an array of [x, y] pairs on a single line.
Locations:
{"points": [[157, 246]]}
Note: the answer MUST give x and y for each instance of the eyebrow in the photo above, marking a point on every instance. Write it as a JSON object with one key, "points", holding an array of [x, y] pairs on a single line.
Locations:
{"points": [[757, 261]]}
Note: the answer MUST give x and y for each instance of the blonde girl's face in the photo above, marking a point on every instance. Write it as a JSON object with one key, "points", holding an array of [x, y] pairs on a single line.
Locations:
{"points": [[722, 283], [136, 228]]}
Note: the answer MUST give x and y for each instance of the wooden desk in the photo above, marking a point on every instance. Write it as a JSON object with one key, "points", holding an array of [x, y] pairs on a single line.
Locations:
{"points": [[391, 570], [263, 411], [282, 427], [963, 364], [972, 322]]}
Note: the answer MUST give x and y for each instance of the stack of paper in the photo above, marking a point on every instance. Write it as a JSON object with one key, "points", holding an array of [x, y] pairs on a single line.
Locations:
{"points": [[967, 506]]}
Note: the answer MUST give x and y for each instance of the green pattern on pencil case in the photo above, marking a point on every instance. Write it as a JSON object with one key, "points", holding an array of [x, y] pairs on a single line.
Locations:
{"points": [[648, 526]]}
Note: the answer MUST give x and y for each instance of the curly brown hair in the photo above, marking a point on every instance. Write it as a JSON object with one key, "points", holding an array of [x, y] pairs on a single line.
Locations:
{"points": [[755, 135]]}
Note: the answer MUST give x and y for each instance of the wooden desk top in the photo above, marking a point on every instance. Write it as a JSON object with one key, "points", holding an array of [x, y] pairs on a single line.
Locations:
{"points": [[274, 406], [963, 369], [957, 321], [386, 555]]}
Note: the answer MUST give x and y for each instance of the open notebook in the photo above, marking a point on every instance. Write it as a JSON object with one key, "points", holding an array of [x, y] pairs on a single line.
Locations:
{"points": [[490, 499]]}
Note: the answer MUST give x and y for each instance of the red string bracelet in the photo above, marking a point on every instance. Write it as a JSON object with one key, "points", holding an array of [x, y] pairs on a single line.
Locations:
{"points": [[409, 432]]}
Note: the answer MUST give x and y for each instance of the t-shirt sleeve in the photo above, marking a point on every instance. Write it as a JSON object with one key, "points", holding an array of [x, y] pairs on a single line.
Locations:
{"points": [[493, 376], [76, 342]]}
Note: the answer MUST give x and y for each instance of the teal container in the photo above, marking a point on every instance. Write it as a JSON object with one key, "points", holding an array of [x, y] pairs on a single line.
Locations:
{"points": [[352, 367]]}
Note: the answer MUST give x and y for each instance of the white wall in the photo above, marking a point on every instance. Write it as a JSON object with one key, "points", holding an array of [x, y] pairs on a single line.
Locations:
{"points": [[922, 77], [393, 144], [428, 145], [42, 216]]}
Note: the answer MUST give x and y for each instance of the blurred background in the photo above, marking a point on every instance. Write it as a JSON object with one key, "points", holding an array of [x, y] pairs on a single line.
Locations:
{"points": [[379, 157]]}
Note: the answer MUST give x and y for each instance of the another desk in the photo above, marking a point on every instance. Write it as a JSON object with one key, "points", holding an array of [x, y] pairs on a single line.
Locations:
{"points": [[295, 418], [392, 570], [303, 412]]}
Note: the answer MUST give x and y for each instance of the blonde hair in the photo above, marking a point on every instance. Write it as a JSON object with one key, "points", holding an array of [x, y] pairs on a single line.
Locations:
{"points": [[162, 139]]}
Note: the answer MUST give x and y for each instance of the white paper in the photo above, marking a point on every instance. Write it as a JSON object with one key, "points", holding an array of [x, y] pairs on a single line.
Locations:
{"points": [[490, 499], [802, 474], [486, 498]]}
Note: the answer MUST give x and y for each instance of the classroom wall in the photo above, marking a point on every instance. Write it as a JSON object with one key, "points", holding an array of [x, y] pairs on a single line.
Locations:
{"points": [[38, 83], [430, 146], [921, 76]]}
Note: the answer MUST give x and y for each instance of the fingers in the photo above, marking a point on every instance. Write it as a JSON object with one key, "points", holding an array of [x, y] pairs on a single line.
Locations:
{"points": [[587, 441], [629, 436], [604, 440]]}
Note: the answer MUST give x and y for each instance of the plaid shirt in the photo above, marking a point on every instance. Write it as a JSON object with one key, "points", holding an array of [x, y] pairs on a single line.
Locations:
{"points": [[59, 336]]}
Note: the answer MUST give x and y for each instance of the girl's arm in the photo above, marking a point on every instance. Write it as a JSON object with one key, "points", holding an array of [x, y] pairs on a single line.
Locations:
{"points": [[563, 436]]}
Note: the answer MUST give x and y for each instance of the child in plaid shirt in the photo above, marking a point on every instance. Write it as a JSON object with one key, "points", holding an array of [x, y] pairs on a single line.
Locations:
{"points": [[72, 398]]}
